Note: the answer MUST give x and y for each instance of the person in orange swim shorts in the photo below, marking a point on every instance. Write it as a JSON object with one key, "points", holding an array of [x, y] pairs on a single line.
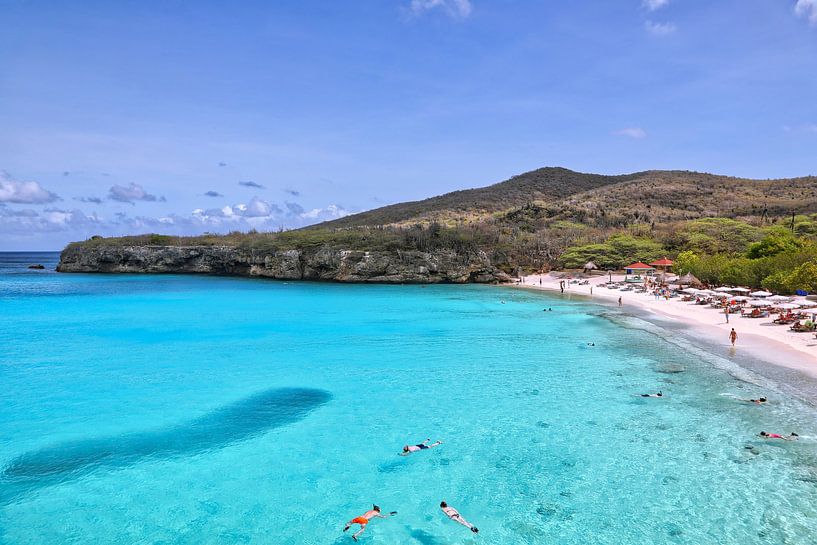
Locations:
{"points": [[364, 519]]}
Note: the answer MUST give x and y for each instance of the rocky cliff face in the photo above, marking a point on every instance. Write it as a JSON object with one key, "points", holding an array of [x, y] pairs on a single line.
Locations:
{"points": [[321, 264]]}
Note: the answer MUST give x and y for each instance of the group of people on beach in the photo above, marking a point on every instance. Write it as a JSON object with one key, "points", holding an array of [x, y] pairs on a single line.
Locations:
{"points": [[373, 513]]}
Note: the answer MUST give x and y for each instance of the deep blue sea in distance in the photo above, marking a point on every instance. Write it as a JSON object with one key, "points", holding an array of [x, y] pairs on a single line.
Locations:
{"points": [[165, 409]]}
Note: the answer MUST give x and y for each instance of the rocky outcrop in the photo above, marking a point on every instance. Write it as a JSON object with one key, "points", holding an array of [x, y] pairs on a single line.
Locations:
{"points": [[397, 267]]}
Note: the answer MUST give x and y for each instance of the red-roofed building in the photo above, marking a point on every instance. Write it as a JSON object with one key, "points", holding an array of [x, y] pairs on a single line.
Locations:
{"points": [[662, 263]]}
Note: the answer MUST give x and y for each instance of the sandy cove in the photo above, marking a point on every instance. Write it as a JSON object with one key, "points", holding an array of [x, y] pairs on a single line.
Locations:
{"points": [[758, 337]]}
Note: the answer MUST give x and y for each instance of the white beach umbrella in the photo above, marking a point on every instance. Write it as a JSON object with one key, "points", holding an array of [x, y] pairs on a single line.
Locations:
{"points": [[740, 290], [706, 292], [723, 289], [689, 290], [740, 298], [721, 295], [778, 298], [787, 306], [760, 294], [758, 303]]}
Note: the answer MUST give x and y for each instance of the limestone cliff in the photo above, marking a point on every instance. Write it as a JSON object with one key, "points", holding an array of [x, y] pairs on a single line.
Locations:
{"points": [[442, 266]]}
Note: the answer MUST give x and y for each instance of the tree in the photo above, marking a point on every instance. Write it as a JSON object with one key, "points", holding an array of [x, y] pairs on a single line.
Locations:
{"points": [[777, 241]]}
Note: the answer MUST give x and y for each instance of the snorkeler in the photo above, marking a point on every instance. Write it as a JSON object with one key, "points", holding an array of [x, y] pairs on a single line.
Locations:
{"points": [[791, 437], [659, 394], [454, 515], [364, 519], [408, 449]]}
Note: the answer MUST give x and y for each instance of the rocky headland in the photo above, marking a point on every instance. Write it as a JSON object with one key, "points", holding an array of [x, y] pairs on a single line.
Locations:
{"points": [[327, 264]]}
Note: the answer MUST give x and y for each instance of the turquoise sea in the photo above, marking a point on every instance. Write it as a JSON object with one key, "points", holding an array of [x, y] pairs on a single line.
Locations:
{"points": [[197, 410]]}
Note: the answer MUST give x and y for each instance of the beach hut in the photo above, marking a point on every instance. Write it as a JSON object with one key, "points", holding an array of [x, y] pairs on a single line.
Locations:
{"points": [[589, 266], [637, 269], [662, 264]]}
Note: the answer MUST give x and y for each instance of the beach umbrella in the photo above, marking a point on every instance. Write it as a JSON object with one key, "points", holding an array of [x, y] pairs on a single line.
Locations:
{"points": [[787, 306], [759, 303], [721, 295], [723, 289], [740, 290], [760, 294], [690, 279], [689, 290], [740, 298], [778, 298]]}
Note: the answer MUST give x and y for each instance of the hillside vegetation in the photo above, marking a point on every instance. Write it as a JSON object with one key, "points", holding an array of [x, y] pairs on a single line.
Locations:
{"points": [[723, 229]]}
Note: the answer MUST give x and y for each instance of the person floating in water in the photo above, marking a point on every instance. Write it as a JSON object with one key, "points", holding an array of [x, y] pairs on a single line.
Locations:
{"points": [[408, 449], [658, 394], [758, 401], [454, 515], [364, 519], [791, 437]]}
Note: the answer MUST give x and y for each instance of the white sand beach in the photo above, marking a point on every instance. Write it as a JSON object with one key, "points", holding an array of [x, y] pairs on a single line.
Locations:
{"points": [[758, 337]]}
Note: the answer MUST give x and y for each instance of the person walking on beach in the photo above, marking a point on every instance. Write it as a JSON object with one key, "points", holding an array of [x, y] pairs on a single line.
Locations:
{"points": [[364, 519], [454, 515], [733, 336], [408, 449], [726, 312], [619, 300]]}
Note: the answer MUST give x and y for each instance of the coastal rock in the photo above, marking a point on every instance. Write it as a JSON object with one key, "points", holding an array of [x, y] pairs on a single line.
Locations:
{"points": [[324, 263]]}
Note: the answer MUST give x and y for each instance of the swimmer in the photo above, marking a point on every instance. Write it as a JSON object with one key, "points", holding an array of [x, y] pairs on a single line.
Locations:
{"points": [[454, 515], [758, 401], [364, 519], [659, 394], [408, 449], [791, 437]]}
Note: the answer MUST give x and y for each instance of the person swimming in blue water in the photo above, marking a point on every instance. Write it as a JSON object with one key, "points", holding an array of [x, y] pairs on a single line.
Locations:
{"points": [[408, 449]]}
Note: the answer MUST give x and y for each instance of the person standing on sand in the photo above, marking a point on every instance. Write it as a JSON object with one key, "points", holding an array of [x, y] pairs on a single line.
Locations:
{"points": [[733, 336], [364, 519], [540, 280], [726, 312]]}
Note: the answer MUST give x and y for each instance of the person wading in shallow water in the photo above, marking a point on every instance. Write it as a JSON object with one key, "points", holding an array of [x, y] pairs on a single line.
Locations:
{"points": [[733, 336]]}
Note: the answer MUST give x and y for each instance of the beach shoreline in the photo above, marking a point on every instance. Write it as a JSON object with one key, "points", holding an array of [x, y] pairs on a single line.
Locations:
{"points": [[758, 339]]}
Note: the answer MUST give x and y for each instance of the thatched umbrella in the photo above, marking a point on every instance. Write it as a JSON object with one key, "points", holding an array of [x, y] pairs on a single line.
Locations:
{"points": [[689, 279]]}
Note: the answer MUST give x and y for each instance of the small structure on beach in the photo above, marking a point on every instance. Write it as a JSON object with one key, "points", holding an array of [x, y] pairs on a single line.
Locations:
{"points": [[689, 279], [662, 264], [637, 269]]}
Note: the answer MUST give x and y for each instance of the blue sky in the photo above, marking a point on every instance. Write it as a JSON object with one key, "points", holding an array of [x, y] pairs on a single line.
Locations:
{"points": [[183, 117]]}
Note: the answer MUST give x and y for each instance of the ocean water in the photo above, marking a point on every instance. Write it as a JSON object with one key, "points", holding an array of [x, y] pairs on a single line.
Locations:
{"points": [[181, 409]]}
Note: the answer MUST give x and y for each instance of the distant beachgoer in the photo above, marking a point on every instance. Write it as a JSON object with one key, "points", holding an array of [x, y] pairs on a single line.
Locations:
{"points": [[503, 302], [408, 449], [364, 519], [540, 281], [550, 309], [726, 312], [758, 401], [619, 300], [658, 394], [791, 437], [454, 515], [733, 336]]}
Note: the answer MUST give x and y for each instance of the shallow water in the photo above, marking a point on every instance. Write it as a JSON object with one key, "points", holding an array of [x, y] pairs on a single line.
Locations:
{"points": [[173, 409]]}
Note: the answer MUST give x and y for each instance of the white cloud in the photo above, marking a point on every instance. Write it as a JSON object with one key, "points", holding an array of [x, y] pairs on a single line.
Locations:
{"points": [[330, 212], [632, 132], [23, 192], [455, 8], [659, 29], [130, 193], [807, 9], [653, 5]]}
